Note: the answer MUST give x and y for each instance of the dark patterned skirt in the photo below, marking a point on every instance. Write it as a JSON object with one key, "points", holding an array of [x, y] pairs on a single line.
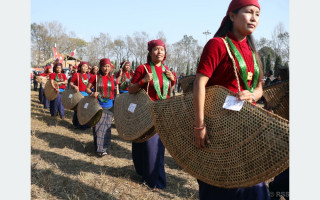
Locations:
{"points": [[102, 132]]}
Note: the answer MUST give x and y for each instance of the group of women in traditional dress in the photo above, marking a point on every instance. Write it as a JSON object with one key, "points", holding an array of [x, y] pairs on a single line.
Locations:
{"points": [[215, 68]]}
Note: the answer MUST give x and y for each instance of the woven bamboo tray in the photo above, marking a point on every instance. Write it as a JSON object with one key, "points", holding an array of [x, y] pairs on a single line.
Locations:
{"points": [[50, 92], [89, 111], [43, 83], [277, 96], [134, 126], [247, 147], [70, 99], [40, 78]]}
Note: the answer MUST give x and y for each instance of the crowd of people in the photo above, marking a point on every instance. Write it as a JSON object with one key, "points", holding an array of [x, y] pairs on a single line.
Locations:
{"points": [[215, 68]]}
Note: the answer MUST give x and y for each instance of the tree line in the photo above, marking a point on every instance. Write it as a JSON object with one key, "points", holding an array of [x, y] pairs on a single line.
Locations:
{"points": [[183, 56]]}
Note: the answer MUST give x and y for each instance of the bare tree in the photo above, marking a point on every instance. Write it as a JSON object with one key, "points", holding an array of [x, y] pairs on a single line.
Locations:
{"points": [[185, 52], [140, 49], [162, 37], [262, 43], [105, 45], [93, 50], [38, 36], [280, 42], [129, 47], [118, 48]]}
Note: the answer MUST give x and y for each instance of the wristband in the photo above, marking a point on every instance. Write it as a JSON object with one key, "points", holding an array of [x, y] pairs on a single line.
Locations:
{"points": [[90, 93], [200, 128], [141, 83]]}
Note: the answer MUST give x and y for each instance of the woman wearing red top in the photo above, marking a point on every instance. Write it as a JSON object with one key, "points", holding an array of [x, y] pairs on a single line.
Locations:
{"points": [[57, 75], [216, 68], [148, 156], [79, 82], [103, 84], [94, 70], [124, 76], [42, 96]]}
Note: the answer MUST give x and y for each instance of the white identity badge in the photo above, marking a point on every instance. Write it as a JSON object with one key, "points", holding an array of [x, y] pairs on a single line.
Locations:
{"points": [[132, 107], [86, 105], [70, 96], [231, 103]]}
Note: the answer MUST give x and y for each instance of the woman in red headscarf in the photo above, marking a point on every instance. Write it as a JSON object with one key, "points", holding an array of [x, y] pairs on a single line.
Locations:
{"points": [[103, 84], [79, 82], [57, 75], [124, 76], [94, 70], [42, 96], [148, 156], [216, 68]]}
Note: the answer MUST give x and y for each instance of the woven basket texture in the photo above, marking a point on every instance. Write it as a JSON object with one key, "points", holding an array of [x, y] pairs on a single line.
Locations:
{"points": [[187, 83], [89, 111], [70, 99], [50, 92], [137, 125], [277, 96], [247, 147], [40, 78], [44, 81]]}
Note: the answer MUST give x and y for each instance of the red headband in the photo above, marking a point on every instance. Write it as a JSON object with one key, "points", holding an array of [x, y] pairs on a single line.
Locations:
{"points": [[154, 43], [235, 5], [104, 61], [47, 67], [82, 63]]}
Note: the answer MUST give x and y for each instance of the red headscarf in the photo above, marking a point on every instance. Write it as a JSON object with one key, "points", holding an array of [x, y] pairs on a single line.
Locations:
{"points": [[154, 43], [46, 69], [82, 63], [105, 61], [235, 5]]}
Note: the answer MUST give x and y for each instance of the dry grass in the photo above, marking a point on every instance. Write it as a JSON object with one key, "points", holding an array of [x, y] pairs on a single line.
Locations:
{"points": [[64, 165]]}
